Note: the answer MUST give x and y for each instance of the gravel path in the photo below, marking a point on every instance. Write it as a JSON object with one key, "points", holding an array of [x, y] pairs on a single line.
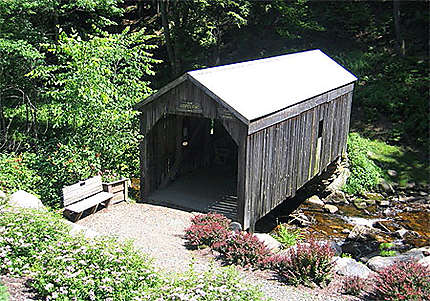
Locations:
{"points": [[158, 231]]}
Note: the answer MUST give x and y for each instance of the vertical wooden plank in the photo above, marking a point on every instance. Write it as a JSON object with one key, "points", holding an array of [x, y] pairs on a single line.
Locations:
{"points": [[242, 178]]}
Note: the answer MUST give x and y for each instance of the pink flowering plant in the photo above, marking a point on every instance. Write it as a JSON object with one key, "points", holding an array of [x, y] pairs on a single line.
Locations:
{"points": [[242, 249], [307, 263], [402, 281], [207, 229]]}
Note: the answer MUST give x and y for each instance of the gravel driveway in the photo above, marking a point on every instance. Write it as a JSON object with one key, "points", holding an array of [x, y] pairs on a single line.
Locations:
{"points": [[158, 231]]}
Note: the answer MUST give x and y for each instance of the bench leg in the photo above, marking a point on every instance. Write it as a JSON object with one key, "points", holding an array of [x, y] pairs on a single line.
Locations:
{"points": [[107, 203], [78, 216], [94, 208]]}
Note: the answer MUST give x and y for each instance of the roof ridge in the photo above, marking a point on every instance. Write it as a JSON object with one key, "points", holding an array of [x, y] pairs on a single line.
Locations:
{"points": [[248, 63]]}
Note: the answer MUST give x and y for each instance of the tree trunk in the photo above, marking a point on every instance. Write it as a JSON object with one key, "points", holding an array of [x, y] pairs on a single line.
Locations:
{"points": [[400, 42], [167, 37]]}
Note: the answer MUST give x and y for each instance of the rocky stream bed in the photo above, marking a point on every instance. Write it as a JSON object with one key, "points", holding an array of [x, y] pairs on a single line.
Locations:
{"points": [[357, 225]]}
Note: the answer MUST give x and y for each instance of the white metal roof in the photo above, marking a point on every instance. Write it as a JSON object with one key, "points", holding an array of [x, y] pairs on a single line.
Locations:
{"points": [[261, 87]]}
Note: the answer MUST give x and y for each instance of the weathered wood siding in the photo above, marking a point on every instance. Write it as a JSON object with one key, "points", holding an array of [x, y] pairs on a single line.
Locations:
{"points": [[283, 157], [161, 125]]}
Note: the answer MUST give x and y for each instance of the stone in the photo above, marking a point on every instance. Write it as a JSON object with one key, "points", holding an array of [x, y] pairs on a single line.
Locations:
{"points": [[384, 203], [378, 263], [362, 233], [392, 173], [330, 208], [425, 261], [423, 193], [385, 186], [235, 227], [401, 233], [373, 196], [360, 203], [24, 199], [359, 248], [349, 267], [340, 180], [315, 200], [269, 241], [2, 195], [346, 231], [77, 230], [336, 197]]}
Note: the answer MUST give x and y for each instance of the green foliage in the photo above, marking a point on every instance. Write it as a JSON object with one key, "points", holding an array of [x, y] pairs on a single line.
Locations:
{"points": [[37, 244], [4, 296], [16, 173], [308, 263], [384, 249], [59, 165], [365, 174], [346, 255], [24, 235], [213, 284], [99, 114], [287, 237]]}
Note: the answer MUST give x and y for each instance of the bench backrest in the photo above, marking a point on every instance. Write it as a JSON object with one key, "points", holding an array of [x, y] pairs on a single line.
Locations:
{"points": [[82, 190]]}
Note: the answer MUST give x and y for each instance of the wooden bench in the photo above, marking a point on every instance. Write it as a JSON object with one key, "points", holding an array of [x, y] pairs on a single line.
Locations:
{"points": [[85, 195]]}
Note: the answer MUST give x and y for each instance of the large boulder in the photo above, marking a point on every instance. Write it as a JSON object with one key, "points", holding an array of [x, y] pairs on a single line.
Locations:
{"points": [[330, 208], [362, 233], [336, 197], [350, 267], [340, 180], [269, 241], [315, 200], [378, 263], [24, 199]]}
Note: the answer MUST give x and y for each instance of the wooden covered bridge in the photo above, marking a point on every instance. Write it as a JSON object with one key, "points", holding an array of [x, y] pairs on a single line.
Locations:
{"points": [[267, 126]]}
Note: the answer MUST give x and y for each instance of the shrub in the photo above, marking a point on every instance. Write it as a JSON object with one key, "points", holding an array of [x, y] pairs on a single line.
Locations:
{"points": [[307, 263], [214, 284], [365, 174], [4, 296], [101, 269], [243, 249], [402, 281], [287, 237], [24, 234], [353, 285], [207, 229], [61, 267], [16, 173]]}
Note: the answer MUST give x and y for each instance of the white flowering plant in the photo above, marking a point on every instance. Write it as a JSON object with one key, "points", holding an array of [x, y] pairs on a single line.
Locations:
{"points": [[37, 245]]}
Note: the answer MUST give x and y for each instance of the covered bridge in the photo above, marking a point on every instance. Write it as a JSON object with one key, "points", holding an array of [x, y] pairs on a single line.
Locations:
{"points": [[252, 132]]}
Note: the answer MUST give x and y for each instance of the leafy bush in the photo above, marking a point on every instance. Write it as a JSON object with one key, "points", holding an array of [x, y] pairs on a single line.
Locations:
{"points": [[61, 267], [306, 263], [101, 269], [24, 236], [222, 284], [4, 296], [353, 285], [16, 173], [242, 249], [287, 237], [402, 281], [207, 229], [365, 174]]}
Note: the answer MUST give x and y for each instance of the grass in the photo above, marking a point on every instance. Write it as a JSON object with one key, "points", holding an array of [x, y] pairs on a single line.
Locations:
{"points": [[371, 160], [4, 296], [409, 165]]}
